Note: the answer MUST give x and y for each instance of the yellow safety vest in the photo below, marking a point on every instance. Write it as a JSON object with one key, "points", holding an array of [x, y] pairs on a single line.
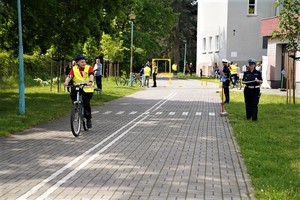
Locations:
{"points": [[147, 71], [155, 70], [82, 79], [233, 69]]}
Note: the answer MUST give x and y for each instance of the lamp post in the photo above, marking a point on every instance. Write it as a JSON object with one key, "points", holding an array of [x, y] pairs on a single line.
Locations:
{"points": [[184, 60], [132, 18], [21, 64]]}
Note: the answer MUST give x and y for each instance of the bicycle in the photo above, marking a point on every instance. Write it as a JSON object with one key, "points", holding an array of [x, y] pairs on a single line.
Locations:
{"points": [[77, 118], [238, 85], [136, 80]]}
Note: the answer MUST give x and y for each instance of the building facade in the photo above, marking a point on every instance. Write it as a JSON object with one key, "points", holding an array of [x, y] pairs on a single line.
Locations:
{"points": [[280, 64], [230, 29]]}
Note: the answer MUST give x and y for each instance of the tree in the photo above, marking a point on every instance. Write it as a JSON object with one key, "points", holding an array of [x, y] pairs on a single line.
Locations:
{"points": [[289, 24]]}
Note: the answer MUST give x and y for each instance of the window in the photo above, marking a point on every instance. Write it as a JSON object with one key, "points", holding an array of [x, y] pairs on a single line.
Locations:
{"points": [[265, 42], [204, 45], [252, 7], [210, 44], [217, 43]]}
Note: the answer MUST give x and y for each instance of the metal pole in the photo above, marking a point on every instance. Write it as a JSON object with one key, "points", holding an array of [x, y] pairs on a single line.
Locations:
{"points": [[21, 64], [131, 54], [184, 61]]}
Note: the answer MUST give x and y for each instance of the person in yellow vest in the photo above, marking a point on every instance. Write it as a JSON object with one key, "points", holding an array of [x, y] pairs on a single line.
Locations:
{"points": [[82, 73], [154, 73], [234, 74], [174, 69], [147, 73]]}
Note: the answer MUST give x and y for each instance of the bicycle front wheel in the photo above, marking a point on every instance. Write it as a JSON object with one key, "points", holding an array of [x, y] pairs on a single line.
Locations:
{"points": [[76, 119]]}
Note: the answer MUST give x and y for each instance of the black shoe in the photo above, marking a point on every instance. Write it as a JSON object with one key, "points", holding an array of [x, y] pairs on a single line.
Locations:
{"points": [[89, 123], [226, 102]]}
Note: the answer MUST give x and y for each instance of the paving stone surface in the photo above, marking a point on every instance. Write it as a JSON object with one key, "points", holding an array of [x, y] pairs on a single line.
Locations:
{"points": [[168, 142]]}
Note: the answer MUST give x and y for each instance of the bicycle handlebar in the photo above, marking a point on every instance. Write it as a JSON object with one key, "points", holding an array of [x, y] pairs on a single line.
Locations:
{"points": [[77, 85]]}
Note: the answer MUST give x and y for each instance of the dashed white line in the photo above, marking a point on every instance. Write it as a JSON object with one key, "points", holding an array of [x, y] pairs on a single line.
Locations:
{"points": [[86, 153], [185, 113], [120, 112], [158, 113], [132, 112], [198, 113], [107, 112], [211, 114], [171, 113]]}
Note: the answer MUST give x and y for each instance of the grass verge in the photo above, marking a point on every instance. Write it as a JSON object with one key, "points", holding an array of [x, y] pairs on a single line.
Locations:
{"points": [[270, 147], [41, 105]]}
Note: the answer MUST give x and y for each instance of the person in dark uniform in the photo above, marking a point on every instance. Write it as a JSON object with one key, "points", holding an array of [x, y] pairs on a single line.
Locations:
{"points": [[226, 72], [252, 79]]}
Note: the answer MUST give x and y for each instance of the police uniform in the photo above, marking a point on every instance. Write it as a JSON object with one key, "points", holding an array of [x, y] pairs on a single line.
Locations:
{"points": [[226, 84], [252, 91]]}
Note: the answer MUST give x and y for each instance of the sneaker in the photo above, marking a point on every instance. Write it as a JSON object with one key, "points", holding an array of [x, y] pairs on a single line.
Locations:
{"points": [[89, 123]]}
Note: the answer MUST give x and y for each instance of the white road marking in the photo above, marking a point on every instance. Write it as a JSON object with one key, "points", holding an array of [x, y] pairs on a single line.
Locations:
{"points": [[107, 112], [158, 113], [120, 112], [198, 113], [94, 112], [171, 113], [86, 162], [133, 112], [211, 114], [70, 164], [185, 113]]}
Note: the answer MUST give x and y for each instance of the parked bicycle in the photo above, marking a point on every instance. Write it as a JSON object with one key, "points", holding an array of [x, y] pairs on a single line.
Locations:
{"points": [[77, 118], [123, 80]]}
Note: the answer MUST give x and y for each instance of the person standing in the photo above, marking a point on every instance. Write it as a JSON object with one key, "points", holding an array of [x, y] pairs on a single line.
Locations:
{"points": [[191, 69], [98, 74], [154, 73], [147, 73], [67, 71], [142, 75], [226, 73], [252, 79], [216, 70], [82, 73]]}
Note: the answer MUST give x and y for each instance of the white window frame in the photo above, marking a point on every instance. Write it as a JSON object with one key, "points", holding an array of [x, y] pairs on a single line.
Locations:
{"points": [[253, 5], [217, 43]]}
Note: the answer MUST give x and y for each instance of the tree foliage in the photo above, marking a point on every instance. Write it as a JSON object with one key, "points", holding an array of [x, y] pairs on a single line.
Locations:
{"points": [[65, 28], [289, 23]]}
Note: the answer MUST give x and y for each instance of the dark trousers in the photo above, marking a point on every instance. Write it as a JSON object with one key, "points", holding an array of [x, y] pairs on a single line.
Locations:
{"points": [[251, 100], [226, 90], [86, 98], [154, 80], [234, 78], [99, 82]]}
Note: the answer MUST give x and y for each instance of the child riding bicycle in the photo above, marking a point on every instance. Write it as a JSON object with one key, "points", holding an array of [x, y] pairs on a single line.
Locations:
{"points": [[82, 73]]}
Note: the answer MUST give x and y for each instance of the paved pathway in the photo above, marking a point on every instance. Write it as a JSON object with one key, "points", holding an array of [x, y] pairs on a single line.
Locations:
{"points": [[168, 142]]}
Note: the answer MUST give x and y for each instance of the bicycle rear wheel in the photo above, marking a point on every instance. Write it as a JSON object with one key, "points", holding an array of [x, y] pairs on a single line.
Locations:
{"points": [[239, 84], [76, 119], [118, 81]]}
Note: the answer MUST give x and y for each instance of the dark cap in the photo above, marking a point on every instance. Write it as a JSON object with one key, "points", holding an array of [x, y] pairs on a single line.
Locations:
{"points": [[252, 61]]}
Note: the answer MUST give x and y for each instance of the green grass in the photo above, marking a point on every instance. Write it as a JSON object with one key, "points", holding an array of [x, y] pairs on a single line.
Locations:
{"points": [[41, 105], [271, 146]]}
